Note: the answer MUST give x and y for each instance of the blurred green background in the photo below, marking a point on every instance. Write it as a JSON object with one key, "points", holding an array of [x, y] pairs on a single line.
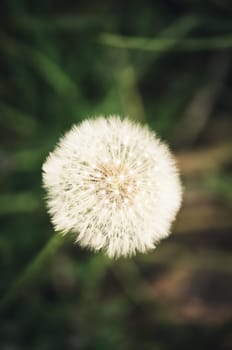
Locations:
{"points": [[165, 63]]}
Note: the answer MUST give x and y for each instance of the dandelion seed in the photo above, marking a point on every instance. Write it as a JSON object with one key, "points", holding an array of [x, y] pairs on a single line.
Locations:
{"points": [[121, 177], [119, 202]]}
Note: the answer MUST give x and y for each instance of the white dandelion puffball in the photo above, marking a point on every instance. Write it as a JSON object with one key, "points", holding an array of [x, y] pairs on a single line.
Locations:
{"points": [[114, 184]]}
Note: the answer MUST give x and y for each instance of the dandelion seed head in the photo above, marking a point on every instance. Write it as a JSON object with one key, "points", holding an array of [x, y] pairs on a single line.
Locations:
{"points": [[114, 184]]}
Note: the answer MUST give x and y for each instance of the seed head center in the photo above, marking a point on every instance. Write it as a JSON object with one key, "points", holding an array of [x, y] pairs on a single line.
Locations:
{"points": [[115, 183]]}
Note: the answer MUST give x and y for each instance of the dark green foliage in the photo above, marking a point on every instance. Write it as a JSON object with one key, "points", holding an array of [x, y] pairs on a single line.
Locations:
{"points": [[165, 63]]}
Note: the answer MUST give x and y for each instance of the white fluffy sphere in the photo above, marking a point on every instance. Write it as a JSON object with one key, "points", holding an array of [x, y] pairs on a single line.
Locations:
{"points": [[114, 184]]}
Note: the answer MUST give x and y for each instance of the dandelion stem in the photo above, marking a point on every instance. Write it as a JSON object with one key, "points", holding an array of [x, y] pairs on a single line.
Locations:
{"points": [[30, 271]]}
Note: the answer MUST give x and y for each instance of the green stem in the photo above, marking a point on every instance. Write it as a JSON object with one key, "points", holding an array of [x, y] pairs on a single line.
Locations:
{"points": [[31, 271]]}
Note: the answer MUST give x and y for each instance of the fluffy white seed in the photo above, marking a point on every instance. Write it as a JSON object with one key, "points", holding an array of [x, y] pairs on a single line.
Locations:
{"points": [[114, 184]]}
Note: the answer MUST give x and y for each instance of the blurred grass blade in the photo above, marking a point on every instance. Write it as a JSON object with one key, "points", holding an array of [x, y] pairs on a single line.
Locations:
{"points": [[31, 271], [131, 99], [127, 76], [29, 159], [179, 28], [64, 23], [16, 120], [83, 22], [54, 75], [24, 202], [164, 44], [42, 63]]}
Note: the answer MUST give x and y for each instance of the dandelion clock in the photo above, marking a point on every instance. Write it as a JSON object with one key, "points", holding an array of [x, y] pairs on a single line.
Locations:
{"points": [[114, 184]]}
